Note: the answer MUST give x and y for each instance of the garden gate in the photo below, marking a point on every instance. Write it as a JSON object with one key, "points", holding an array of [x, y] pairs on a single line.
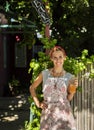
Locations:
{"points": [[83, 102]]}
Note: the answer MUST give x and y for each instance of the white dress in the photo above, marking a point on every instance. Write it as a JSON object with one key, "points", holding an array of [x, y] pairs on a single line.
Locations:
{"points": [[58, 115]]}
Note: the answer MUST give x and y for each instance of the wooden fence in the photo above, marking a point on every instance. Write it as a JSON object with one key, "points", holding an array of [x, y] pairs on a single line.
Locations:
{"points": [[83, 103]]}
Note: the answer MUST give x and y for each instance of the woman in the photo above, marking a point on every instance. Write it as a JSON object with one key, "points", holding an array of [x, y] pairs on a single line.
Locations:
{"points": [[56, 111]]}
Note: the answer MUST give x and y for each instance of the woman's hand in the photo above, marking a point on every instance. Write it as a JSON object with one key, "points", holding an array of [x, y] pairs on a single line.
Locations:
{"points": [[43, 105], [74, 81], [73, 84]]}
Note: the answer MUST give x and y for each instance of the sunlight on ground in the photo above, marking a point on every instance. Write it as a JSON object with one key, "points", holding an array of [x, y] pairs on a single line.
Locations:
{"points": [[20, 104], [8, 115], [10, 118]]}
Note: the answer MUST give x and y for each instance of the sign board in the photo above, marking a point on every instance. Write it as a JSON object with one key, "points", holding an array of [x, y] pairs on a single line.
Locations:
{"points": [[38, 5]]}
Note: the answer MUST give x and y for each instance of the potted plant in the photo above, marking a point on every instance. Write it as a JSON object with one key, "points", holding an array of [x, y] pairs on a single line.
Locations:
{"points": [[13, 86]]}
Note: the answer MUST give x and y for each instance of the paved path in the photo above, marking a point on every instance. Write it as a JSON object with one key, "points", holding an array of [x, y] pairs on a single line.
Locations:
{"points": [[14, 111]]}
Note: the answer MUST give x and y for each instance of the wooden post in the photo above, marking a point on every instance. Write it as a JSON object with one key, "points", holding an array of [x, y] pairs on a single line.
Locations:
{"points": [[47, 31]]}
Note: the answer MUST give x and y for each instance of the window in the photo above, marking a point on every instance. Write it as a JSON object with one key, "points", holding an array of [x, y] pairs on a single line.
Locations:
{"points": [[20, 55]]}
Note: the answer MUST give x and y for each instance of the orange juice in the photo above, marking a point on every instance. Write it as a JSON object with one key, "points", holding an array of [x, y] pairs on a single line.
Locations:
{"points": [[71, 88]]}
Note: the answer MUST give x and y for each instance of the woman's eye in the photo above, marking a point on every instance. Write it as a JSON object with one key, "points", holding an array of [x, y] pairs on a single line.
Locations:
{"points": [[55, 58], [60, 57]]}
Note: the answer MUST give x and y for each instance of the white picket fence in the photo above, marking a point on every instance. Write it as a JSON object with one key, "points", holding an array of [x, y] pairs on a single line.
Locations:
{"points": [[83, 103]]}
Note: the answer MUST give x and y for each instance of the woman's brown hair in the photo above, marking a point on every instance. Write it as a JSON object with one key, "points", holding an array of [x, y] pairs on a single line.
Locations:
{"points": [[57, 48]]}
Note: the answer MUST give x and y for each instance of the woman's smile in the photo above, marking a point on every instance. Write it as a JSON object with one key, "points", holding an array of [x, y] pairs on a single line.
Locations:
{"points": [[58, 58]]}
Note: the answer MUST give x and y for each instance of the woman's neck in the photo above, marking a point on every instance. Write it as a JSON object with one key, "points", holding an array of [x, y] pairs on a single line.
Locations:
{"points": [[57, 72]]}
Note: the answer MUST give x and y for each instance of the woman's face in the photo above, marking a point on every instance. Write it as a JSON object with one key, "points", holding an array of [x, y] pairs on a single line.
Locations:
{"points": [[58, 58]]}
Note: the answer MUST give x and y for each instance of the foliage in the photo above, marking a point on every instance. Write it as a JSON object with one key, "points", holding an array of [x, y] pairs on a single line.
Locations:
{"points": [[73, 27], [72, 24], [14, 86], [14, 82]]}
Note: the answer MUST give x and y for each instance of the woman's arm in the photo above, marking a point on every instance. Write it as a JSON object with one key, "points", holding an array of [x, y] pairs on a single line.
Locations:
{"points": [[70, 96], [33, 89]]}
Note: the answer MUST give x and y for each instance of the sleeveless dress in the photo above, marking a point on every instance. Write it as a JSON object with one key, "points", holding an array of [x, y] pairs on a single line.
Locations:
{"points": [[58, 115]]}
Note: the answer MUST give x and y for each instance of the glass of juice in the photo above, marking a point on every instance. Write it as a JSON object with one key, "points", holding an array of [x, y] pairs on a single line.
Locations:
{"points": [[72, 87]]}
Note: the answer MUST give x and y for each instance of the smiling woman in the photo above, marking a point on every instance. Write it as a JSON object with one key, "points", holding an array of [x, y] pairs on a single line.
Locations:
{"points": [[56, 110]]}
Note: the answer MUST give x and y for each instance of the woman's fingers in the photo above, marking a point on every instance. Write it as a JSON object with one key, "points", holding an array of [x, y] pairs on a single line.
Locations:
{"points": [[76, 82], [43, 105]]}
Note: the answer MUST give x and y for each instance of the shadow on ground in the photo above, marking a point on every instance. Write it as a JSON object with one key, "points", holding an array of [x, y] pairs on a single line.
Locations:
{"points": [[14, 111]]}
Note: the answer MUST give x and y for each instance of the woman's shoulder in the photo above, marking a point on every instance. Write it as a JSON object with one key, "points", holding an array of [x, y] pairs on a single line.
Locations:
{"points": [[45, 74], [69, 75], [45, 71]]}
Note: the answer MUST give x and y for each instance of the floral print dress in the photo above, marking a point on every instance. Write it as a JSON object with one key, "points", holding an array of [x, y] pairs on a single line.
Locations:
{"points": [[58, 115]]}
